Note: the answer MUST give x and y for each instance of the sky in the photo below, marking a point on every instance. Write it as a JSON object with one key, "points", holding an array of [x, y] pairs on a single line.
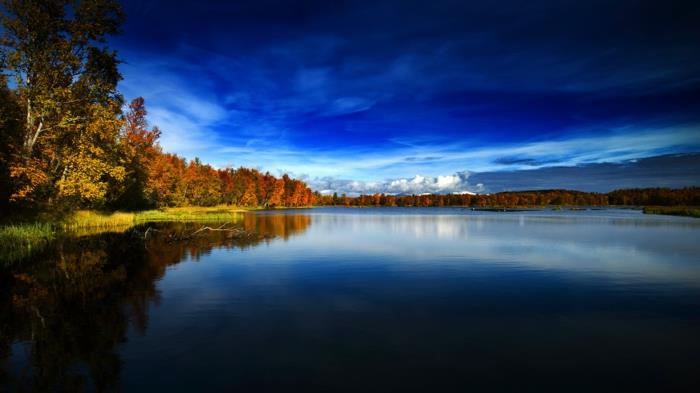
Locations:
{"points": [[425, 96]]}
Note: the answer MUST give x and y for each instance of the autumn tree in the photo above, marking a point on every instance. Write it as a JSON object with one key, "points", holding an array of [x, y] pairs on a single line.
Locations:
{"points": [[65, 81], [139, 149], [202, 185], [166, 184], [277, 193]]}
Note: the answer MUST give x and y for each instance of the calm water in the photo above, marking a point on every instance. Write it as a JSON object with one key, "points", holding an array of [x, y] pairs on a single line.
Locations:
{"points": [[363, 300]]}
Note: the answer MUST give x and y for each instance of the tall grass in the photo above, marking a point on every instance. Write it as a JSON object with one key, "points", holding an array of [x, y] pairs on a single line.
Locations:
{"points": [[86, 219], [21, 240], [183, 214], [90, 219]]}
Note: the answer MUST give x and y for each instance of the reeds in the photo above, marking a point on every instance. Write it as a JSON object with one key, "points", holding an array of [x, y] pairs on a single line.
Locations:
{"points": [[90, 219], [22, 239], [185, 214]]}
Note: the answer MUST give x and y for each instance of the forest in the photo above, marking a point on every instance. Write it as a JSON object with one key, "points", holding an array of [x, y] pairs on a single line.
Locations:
{"points": [[689, 196], [68, 140]]}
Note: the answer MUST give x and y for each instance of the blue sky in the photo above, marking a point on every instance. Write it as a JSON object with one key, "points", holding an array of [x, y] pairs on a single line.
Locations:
{"points": [[438, 96]]}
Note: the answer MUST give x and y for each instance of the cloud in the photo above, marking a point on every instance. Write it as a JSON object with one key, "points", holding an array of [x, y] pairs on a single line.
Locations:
{"points": [[439, 157], [346, 105], [455, 183], [679, 170], [674, 171], [416, 89], [178, 101], [523, 161]]}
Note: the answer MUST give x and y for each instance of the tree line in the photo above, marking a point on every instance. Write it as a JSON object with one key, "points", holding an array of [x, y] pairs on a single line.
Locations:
{"points": [[65, 140], [689, 196]]}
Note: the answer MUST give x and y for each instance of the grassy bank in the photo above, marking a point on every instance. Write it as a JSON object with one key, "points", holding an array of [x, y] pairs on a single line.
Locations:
{"points": [[20, 239], [92, 219], [688, 211], [17, 241], [186, 214]]}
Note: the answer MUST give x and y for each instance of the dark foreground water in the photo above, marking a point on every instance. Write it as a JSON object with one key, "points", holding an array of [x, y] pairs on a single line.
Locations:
{"points": [[363, 300]]}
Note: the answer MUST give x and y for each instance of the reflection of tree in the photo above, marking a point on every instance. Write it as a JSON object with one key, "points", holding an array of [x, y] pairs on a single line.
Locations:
{"points": [[67, 307], [72, 304], [284, 225]]}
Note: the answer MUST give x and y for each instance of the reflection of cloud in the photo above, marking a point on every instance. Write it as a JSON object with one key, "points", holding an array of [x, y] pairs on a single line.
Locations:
{"points": [[608, 244]]}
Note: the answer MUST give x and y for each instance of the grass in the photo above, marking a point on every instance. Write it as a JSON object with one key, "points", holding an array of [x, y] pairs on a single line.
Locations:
{"points": [[187, 214], [688, 211], [19, 240], [91, 219]]}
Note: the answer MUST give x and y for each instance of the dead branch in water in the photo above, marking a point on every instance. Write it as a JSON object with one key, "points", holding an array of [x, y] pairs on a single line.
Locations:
{"points": [[221, 228], [235, 233], [149, 229], [231, 233]]}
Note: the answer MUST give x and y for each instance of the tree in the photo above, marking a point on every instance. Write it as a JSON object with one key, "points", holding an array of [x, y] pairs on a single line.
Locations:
{"points": [[10, 139], [139, 149], [65, 80], [166, 182], [89, 167], [277, 193]]}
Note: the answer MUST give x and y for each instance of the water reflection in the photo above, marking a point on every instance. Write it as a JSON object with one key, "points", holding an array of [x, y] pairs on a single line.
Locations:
{"points": [[623, 249], [362, 300], [64, 313]]}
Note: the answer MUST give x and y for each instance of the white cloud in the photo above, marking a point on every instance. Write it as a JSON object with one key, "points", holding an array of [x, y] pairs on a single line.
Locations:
{"points": [[457, 183]]}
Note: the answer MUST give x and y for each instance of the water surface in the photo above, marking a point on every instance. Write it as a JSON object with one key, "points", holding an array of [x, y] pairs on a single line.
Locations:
{"points": [[364, 300]]}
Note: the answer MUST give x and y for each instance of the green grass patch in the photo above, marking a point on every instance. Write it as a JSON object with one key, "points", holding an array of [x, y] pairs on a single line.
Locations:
{"points": [[687, 211], [187, 214], [91, 219], [21, 240]]}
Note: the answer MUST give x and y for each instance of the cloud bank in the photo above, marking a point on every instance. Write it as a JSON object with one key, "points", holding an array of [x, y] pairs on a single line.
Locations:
{"points": [[455, 183], [662, 171]]}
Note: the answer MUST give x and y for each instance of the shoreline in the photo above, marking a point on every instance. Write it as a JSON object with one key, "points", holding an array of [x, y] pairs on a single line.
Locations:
{"points": [[23, 237]]}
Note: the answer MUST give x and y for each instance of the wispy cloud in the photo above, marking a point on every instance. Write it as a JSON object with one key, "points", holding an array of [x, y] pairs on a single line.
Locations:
{"points": [[225, 130], [185, 110], [433, 159], [419, 94]]}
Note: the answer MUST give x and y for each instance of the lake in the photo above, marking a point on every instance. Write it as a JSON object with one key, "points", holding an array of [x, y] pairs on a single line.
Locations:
{"points": [[385, 299]]}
